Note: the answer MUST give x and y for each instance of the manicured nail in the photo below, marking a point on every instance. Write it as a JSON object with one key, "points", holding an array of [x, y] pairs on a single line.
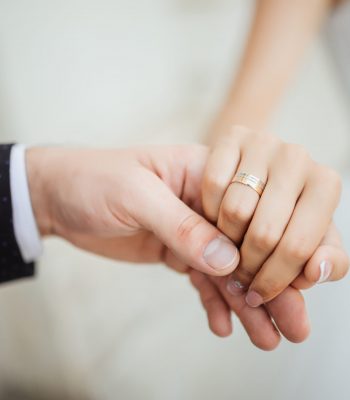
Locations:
{"points": [[325, 271], [235, 287], [253, 299], [220, 253]]}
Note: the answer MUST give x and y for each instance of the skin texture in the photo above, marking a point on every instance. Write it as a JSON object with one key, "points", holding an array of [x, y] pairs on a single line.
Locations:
{"points": [[144, 205]]}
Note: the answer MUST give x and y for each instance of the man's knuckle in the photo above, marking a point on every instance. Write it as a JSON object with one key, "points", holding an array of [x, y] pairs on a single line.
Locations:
{"points": [[188, 226]]}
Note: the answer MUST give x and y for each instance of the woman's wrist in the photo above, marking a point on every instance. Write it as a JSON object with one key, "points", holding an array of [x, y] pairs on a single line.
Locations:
{"points": [[233, 114]]}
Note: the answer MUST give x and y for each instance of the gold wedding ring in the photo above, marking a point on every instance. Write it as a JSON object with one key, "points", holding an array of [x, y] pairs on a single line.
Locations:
{"points": [[250, 180]]}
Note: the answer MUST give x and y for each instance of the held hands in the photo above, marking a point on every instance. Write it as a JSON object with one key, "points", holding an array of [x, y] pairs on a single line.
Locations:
{"points": [[279, 231], [138, 205], [144, 205], [286, 237]]}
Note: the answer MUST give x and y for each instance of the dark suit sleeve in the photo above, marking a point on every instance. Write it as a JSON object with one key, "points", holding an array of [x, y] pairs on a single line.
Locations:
{"points": [[12, 265]]}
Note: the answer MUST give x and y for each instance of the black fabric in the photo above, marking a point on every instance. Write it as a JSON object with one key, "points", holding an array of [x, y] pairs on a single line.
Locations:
{"points": [[12, 266]]}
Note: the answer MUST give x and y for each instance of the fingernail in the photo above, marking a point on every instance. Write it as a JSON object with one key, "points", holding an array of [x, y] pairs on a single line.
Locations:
{"points": [[220, 253], [253, 299], [235, 287], [325, 271]]}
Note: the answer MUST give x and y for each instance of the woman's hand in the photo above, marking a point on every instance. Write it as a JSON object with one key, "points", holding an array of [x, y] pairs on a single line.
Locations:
{"points": [[139, 205], [279, 231], [285, 315]]}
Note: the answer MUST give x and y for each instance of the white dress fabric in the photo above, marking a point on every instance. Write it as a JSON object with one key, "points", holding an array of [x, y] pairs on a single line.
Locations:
{"points": [[115, 73]]}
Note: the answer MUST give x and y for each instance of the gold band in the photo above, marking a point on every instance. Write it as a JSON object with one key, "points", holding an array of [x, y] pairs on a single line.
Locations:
{"points": [[250, 180]]}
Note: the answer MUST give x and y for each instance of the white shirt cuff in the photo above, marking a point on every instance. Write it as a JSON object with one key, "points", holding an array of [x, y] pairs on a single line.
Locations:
{"points": [[24, 224]]}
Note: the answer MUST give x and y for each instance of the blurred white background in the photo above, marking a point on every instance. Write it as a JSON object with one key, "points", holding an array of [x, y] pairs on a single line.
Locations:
{"points": [[115, 73]]}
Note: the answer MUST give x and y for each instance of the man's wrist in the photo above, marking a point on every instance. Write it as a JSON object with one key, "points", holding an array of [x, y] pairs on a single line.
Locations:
{"points": [[37, 167]]}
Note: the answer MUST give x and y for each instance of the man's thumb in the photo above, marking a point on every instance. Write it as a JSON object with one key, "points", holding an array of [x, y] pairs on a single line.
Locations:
{"points": [[188, 235]]}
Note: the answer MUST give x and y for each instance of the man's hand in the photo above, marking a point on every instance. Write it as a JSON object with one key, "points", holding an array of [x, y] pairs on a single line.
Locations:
{"points": [[139, 205], [284, 315]]}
